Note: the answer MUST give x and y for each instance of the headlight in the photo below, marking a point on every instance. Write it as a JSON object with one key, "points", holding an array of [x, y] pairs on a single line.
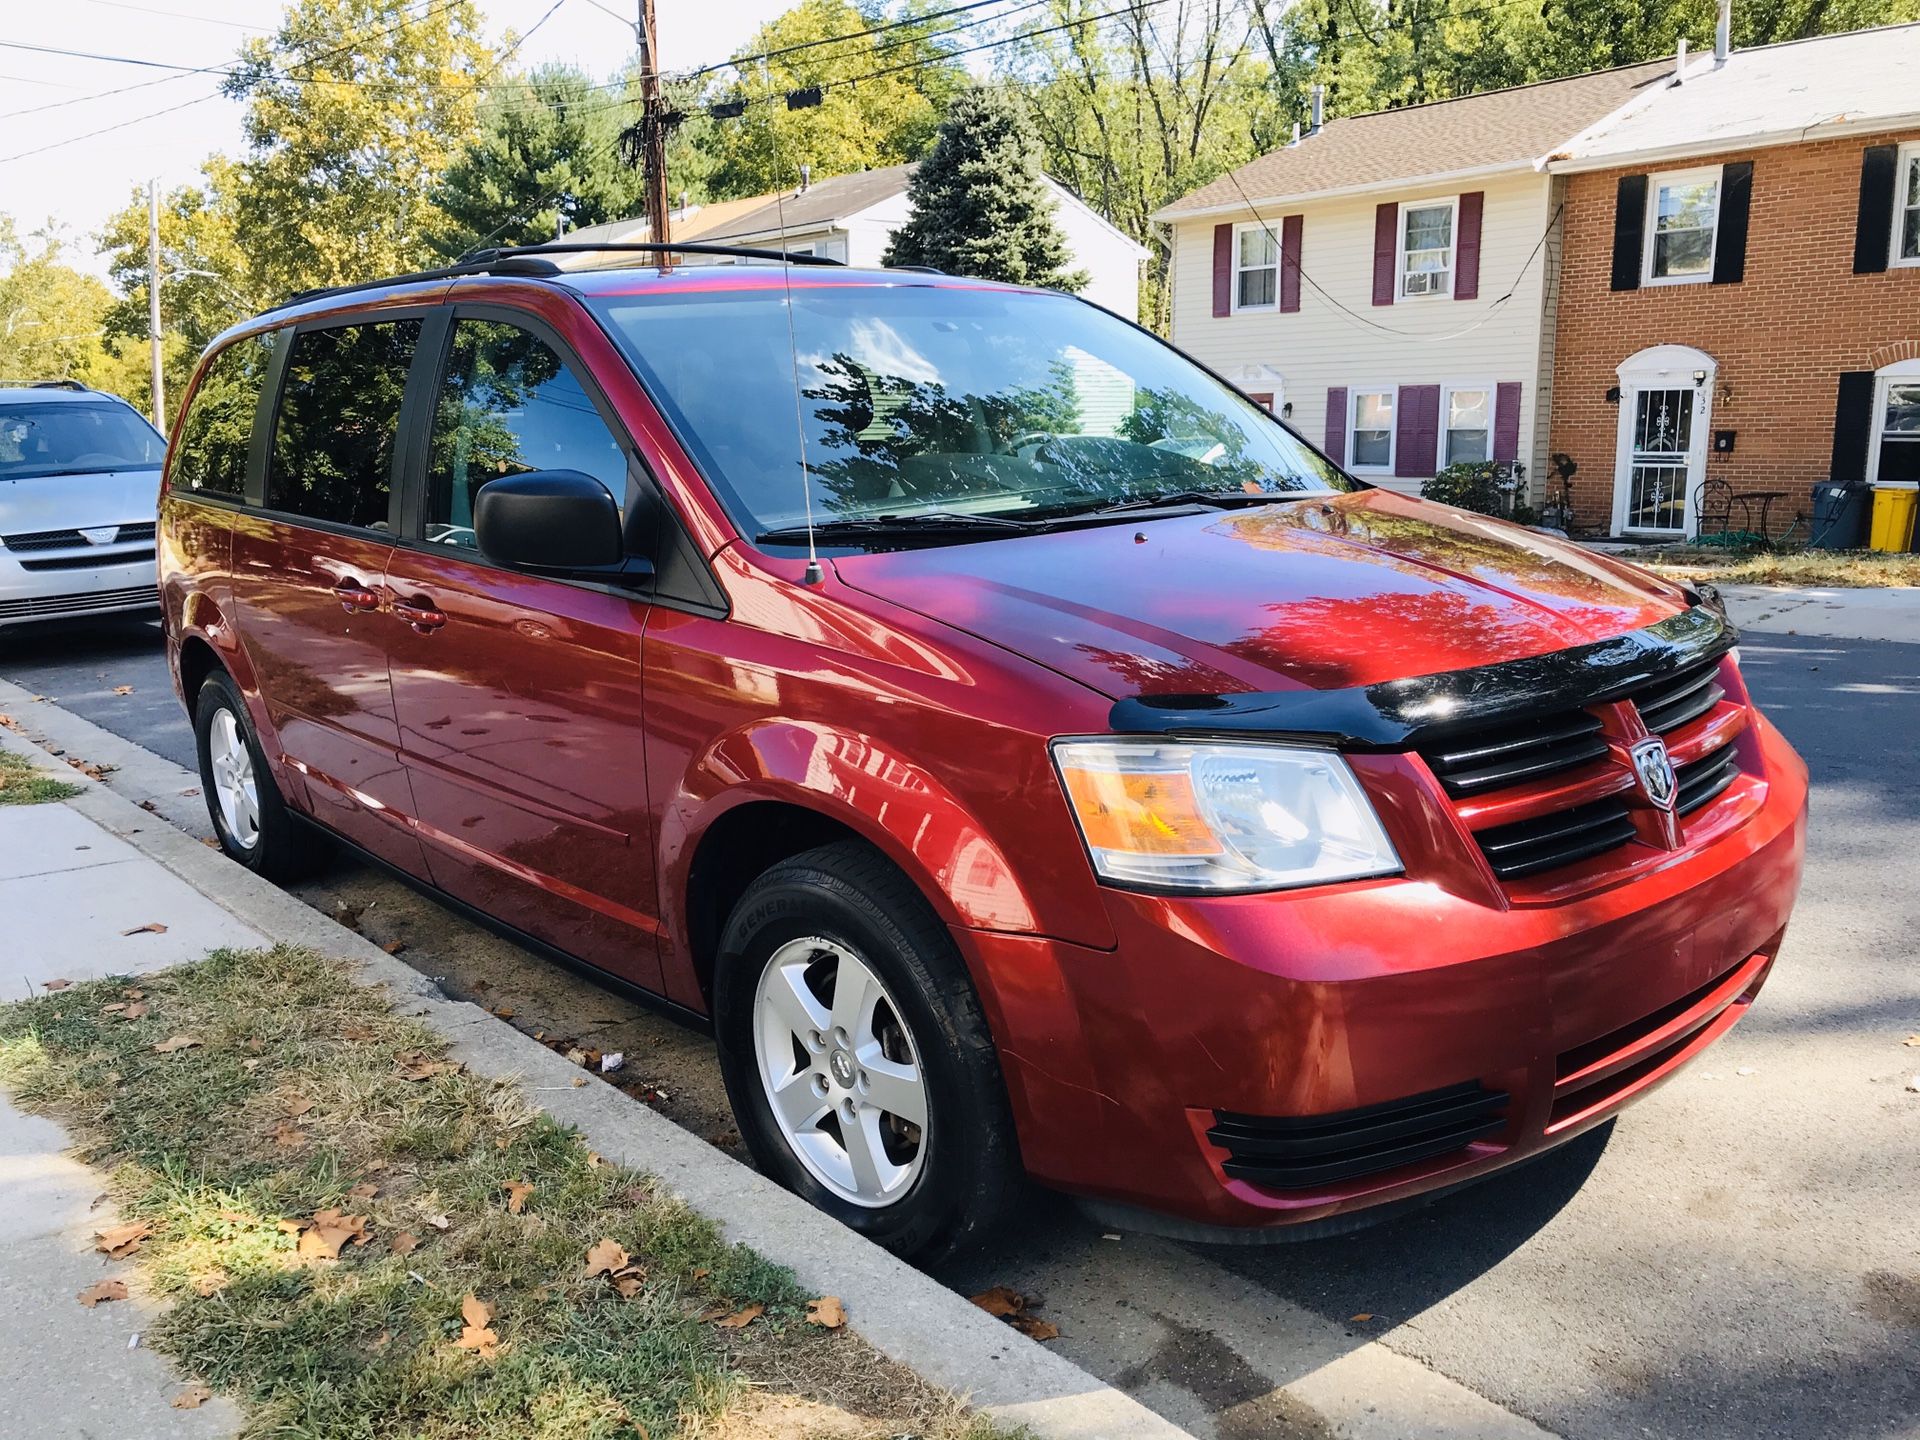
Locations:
{"points": [[1220, 817]]}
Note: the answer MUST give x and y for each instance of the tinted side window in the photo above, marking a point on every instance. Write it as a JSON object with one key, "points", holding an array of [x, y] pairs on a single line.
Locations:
{"points": [[508, 405], [339, 418], [211, 453]]}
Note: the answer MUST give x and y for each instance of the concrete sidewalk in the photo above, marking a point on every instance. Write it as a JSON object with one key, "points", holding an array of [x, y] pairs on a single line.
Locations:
{"points": [[75, 877], [1888, 613], [70, 891]]}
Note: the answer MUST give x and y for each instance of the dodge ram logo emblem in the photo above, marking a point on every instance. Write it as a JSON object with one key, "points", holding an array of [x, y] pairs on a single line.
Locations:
{"points": [[1654, 768]]}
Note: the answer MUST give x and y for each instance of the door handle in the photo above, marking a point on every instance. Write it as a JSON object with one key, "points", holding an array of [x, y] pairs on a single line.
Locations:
{"points": [[420, 615], [355, 596]]}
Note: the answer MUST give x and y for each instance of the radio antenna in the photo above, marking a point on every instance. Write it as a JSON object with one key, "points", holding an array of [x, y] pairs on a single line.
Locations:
{"points": [[814, 574]]}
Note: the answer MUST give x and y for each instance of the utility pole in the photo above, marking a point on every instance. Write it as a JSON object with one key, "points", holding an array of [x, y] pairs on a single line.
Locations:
{"points": [[653, 126], [153, 302]]}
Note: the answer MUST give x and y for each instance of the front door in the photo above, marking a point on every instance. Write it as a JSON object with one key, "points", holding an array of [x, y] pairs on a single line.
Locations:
{"points": [[1663, 454], [307, 571], [518, 698]]}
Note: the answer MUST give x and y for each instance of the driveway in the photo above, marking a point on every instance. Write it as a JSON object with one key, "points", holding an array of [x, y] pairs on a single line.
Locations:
{"points": [[1737, 1257]]}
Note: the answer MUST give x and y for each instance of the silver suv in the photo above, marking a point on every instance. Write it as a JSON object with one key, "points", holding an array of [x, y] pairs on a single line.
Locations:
{"points": [[79, 482]]}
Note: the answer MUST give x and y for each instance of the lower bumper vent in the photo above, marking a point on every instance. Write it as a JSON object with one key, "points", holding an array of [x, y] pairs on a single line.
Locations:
{"points": [[1297, 1152]]}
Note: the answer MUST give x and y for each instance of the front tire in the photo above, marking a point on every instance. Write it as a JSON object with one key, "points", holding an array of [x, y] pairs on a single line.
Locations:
{"points": [[249, 818], [857, 1058]]}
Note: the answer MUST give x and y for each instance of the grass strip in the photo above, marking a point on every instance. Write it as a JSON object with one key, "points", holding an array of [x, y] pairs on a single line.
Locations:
{"points": [[1838, 569], [260, 1111], [22, 784]]}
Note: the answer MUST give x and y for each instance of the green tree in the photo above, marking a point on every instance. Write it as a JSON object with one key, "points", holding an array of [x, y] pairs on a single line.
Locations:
{"points": [[883, 120], [978, 204], [546, 150], [355, 108], [53, 318]]}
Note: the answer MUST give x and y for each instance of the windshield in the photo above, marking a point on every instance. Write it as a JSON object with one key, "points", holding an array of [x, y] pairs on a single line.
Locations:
{"points": [[72, 439], [921, 400]]}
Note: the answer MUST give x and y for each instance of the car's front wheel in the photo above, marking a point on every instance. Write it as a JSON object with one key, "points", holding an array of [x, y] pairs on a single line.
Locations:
{"points": [[857, 1057], [249, 818]]}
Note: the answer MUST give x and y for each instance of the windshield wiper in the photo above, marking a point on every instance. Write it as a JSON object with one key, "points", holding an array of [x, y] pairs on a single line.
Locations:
{"points": [[1170, 499], [937, 525]]}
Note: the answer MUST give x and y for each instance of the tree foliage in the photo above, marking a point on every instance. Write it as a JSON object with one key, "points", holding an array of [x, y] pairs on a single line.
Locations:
{"points": [[53, 319], [978, 204]]}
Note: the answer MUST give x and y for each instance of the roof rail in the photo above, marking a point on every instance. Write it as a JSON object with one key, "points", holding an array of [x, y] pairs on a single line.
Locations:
{"points": [[44, 385], [692, 247], [528, 260]]}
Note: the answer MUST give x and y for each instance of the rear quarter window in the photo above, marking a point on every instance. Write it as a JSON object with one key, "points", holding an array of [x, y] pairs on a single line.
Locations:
{"points": [[210, 454]]}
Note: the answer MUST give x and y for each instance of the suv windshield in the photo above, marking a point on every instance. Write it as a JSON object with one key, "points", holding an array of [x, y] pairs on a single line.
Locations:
{"points": [[73, 438], [935, 401]]}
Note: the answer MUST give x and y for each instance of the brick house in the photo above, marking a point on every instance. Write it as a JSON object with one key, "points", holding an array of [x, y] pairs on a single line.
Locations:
{"points": [[1740, 293]]}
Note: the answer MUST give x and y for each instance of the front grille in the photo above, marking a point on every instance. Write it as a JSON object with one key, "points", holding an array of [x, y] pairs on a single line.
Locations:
{"points": [[1298, 1152], [1507, 754], [129, 533], [44, 540], [1680, 699], [1531, 846], [1705, 778], [135, 597], [89, 559]]}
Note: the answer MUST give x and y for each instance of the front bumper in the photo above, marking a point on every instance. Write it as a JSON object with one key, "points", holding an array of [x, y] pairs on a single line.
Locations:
{"points": [[1121, 1064], [75, 585]]}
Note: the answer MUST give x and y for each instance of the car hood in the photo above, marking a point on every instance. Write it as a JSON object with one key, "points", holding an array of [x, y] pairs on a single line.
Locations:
{"points": [[1323, 592], [78, 502]]}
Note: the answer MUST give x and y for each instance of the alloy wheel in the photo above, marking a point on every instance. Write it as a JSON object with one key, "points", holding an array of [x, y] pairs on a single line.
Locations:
{"points": [[234, 786], [841, 1071]]}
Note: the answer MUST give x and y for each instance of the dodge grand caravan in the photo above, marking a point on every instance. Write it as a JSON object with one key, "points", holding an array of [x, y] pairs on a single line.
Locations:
{"points": [[1027, 754]]}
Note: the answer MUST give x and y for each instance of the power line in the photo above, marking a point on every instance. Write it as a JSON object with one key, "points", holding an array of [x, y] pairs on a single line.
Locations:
{"points": [[738, 61], [178, 15], [108, 129]]}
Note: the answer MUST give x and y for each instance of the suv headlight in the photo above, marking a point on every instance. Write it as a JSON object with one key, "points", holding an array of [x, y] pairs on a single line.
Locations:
{"points": [[1172, 815]]}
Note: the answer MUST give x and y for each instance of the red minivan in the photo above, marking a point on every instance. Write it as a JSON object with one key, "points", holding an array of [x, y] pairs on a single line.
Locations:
{"points": [[1026, 753]]}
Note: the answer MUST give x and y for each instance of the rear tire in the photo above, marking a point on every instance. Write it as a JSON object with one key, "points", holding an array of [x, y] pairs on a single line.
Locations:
{"points": [[250, 818], [840, 992]]}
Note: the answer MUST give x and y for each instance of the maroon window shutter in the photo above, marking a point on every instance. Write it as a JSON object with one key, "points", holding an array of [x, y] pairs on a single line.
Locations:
{"points": [[1290, 229], [1336, 446], [1506, 421], [1223, 270], [1386, 243], [1416, 442], [1466, 256]]}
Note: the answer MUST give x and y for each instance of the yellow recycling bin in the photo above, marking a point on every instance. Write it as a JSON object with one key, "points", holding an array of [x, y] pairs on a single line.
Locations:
{"points": [[1893, 510]]}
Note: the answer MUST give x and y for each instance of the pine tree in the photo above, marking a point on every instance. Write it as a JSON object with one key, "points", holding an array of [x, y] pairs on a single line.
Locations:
{"points": [[978, 202]]}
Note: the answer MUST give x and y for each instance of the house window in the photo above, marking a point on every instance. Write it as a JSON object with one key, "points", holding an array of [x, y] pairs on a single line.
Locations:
{"points": [[1426, 249], [1896, 440], [1468, 411], [1370, 430], [1683, 214], [1906, 207], [1256, 268]]}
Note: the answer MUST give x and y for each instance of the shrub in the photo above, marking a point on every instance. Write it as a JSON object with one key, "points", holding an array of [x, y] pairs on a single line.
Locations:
{"points": [[1487, 487]]}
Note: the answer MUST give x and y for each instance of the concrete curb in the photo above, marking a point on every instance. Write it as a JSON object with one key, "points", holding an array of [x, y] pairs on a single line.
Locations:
{"points": [[904, 1314]]}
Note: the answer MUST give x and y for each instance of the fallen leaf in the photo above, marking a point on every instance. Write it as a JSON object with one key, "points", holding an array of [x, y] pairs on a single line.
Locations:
{"points": [[103, 1290], [123, 689], [1001, 1300], [415, 1066], [1034, 1328], [476, 1335], [1912, 1042], [702, 1273], [328, 1231], [135, 1010], [609, 1257], [394, 947], [298, 1105], [249, 1065], [255, 1044], [113, 1009], [365, 1190], [827, 1312], [438, 1222], [629, 1281], [740, 1319], [56, 984], [194, 1396], [207, 1286], [152, 927], [149, 807], [122, 1240], [578, 1081], [177, 1042], [517, 1193], [405, 1243], [380, 1341], [1362, 1318], [502, 1012], [292, 1227], [130, 993], [594, 1160], [289, 1136], [234, 1217]]}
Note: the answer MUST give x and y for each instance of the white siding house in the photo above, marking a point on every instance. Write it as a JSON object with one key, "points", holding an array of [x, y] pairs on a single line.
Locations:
{"points": [[850, 218], [1387, 281]]}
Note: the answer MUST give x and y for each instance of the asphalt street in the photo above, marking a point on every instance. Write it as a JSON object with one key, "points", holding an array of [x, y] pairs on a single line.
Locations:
{"points": [[1739, 1256]]}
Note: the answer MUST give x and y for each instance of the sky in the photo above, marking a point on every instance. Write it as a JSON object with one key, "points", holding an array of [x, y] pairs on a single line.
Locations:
{"points": [[79, 184]]}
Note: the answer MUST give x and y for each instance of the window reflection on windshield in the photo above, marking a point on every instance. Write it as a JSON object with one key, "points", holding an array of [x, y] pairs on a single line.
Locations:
{"points": [[918, 399]]}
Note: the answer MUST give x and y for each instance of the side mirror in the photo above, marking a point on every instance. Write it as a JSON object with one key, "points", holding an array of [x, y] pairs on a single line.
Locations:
{"points": [[555, 522]]}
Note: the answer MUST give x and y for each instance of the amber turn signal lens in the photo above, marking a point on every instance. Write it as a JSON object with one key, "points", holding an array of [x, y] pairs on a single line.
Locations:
{"points": [[1139, 814]]}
